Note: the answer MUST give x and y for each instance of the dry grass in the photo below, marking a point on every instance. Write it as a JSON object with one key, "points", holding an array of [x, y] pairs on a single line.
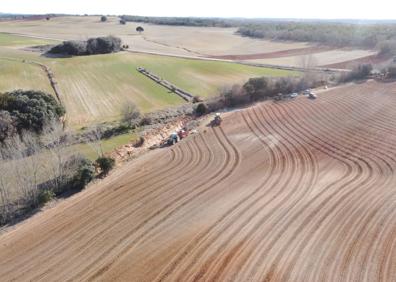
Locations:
{"points": [[318, 59], [164, 39]]}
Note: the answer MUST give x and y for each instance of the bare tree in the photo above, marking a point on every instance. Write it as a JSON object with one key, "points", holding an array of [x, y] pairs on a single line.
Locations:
{"points": [[95, 140]]}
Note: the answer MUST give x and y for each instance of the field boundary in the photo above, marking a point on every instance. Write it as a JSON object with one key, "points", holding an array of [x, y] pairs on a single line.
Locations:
{"points": [[173, 88]]}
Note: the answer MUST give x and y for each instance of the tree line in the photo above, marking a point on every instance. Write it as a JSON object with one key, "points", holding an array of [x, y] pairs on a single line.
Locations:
{"points": [[347, 33], [333, 34], [36, 162], [93, 46]]}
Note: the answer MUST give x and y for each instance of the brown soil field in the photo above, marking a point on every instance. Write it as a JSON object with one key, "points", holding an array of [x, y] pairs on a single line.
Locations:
{"points": [[277, 54], [300, 190], [373, 59], [322, 58]]}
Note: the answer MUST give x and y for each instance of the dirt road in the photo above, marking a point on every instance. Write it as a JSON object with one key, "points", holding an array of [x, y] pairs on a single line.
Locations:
{"points": [[291, 191]]}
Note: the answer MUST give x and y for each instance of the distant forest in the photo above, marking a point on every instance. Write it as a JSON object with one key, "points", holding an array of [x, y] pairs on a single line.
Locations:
{"points": [[356, 33]]}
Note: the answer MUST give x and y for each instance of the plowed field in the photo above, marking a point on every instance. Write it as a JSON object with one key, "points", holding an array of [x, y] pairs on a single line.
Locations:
{"points": [[291, 191]]}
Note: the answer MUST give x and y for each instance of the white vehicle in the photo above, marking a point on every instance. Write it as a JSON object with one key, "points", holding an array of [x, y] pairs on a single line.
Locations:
{"points": [[293, 95], [311, 96], [307, 92]]}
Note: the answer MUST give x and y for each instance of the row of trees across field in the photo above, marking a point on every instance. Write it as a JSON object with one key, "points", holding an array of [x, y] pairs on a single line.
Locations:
{"points": [[36, 163]]}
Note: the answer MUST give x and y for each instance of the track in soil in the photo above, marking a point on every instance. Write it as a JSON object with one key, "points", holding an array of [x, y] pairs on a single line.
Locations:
{"points": [[291, 191]]}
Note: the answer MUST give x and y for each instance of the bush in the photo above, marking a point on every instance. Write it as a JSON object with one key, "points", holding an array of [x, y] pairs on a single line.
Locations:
{"points": [[201, 109], [84, 175], [105, 164], [139, 29], [27, 110], [70, 48], [146, 120], [391, 70], [197, 99], [8, 126], [360, 72], [99, 45], [131, 113], [103, 19], [103, 45], [45, 196], [387, 48]]}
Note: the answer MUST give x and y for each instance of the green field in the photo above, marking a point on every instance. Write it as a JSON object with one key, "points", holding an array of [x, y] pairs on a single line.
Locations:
{"points": [[17, 40], [18, 75], [94, 89]]}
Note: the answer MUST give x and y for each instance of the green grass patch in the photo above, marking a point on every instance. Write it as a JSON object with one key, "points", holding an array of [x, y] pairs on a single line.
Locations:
{"points": [[18, 75], [18, 40], [94, 89], [108, 145]]}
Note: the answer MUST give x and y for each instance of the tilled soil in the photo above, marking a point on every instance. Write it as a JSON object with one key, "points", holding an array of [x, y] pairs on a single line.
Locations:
{"points": [[302, 190]]}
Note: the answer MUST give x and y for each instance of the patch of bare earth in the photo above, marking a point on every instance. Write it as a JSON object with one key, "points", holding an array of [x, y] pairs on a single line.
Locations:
{"points": [[302, 190]]}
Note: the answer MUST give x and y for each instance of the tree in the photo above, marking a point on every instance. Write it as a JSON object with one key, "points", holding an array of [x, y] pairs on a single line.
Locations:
{"points": [[103, 19], [201, 109], [29, 110], [105, 164], [139, 29], [131, 114]]}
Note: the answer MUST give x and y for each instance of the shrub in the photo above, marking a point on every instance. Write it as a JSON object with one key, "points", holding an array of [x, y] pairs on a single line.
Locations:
{"points": [[71, 48], [197, 99], [359, 72], [139, 29], [392, 71], [105, 164], [130, 113], [146, 120], [201, 109], [28, 110], [84, 175], [45, 196], [99, 45], [103, 45], [103, 19], [7, 125]]}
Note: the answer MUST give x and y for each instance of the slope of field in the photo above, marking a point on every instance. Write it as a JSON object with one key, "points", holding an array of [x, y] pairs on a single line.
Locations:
{"points": [[21, 41], [333, 57], [18, 75], [174, 40], [95, 88], [290, 191]]}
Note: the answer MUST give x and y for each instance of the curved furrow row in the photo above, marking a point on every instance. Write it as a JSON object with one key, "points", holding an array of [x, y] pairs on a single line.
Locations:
{"points": [[166, 188], [272, 115], [316, 120], [382, 160], [230, 164], [378, 228], [382, 123], [200, 259], [112, 217], [329, 151], [65, 221], [305, 180], [197, 241]]}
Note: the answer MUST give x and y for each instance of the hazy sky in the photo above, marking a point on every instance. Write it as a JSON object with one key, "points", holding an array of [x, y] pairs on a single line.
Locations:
{"points": [[330, 9]]}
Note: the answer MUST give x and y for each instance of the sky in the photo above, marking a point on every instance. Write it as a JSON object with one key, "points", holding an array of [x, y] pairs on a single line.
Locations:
{"points": [[329, 9]]}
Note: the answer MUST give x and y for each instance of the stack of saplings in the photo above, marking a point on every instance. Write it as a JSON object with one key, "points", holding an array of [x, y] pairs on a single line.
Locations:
{"points": [[27, 111], [99, 45]]}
